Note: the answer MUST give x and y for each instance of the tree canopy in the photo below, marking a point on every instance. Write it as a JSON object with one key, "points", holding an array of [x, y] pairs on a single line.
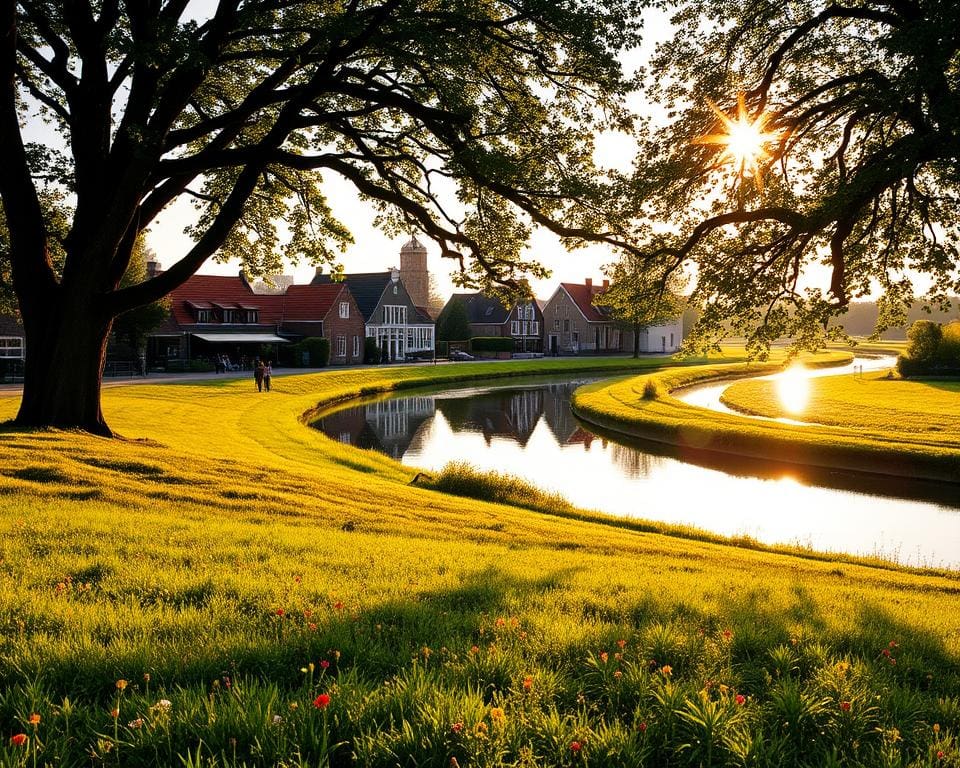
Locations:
{"points": [[491, 103], [805, 135]]}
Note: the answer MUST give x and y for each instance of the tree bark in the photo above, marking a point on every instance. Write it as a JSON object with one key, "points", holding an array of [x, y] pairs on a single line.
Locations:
{"points": [[63, 370], [636, 340]]}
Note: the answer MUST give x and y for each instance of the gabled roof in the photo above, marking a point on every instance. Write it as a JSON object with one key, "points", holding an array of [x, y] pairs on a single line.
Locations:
{"points": [[305, 303], [425, 316], [582, 296], [483, 309], [206, 291], [366, 287]]}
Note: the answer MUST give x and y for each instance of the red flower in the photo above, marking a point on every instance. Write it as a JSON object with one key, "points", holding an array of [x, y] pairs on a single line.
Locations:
{"points": [[940, 753], [322, 701], [338, 606], [279, 611], [740, 699], [324, 664], [456, 727], [575, 746], [312, 627], [845, 706], [19, 739], [642, 727], [893, 644], [621, 644], [893, 661], [727, 634], [604, 657], [886, 652]]}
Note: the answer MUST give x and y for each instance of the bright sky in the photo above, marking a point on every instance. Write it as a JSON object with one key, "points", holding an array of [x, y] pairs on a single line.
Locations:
{"points": [[372, 250]]}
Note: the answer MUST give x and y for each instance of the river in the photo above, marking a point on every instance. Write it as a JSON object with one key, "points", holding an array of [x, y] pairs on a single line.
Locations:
{"points": [[526, 428]]}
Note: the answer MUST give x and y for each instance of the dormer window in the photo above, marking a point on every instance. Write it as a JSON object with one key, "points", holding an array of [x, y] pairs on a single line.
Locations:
{"points": [[203, 315], [231, 316]]}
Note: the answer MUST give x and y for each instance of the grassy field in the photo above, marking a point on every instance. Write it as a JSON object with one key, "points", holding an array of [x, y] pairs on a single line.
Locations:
{"points": [[228, 587], [874, 402], [643, 406]]}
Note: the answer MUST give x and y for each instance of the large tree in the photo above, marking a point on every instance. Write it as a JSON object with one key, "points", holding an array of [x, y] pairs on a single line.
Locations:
{"points": [[244, 109], [819, 136]]}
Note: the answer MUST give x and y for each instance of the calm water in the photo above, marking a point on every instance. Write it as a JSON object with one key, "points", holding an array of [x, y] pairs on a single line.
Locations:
{"points": [[527, 429]]}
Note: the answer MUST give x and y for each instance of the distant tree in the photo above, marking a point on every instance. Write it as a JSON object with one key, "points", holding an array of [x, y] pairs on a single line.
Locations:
{"points": [[930, 348], [641, 295], [133, 326], [802, 135], [242, 106], [453, 323]]}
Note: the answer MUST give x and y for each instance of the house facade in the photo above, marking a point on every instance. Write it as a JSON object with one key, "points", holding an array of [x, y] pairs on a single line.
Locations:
{"points": [[13, 346], [487, 316], [325, 311], [402, 329]]}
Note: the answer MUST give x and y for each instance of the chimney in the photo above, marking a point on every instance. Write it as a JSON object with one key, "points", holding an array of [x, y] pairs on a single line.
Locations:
{"points": [[394, 274], [589, 282], [153, 268], [606, 284]]}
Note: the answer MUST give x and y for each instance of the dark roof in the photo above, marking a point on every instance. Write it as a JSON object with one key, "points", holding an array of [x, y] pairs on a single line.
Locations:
{"points": [[10, 326], [304, 303], [482, 309], [425, 316], [582, 296], [366, 287]]}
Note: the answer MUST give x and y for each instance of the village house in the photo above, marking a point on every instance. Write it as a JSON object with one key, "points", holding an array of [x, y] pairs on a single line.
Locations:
{"points": [[574, 324], [12, 347], [487, 316], [326, 311]]}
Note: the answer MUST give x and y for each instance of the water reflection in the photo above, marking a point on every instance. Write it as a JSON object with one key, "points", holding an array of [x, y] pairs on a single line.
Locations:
{"points": [[793, 389], [527, 429]]}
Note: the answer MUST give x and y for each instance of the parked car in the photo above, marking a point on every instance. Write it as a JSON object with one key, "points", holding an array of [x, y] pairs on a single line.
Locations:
{"points": [[459, 354]]}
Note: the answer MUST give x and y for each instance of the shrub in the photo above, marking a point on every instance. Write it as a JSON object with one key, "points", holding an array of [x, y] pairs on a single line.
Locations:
{"points": [[313, 351], [491, 344], [371, 352], [932, 349]]}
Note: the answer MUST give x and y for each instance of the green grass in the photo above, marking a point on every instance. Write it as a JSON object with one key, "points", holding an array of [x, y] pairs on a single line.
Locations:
{"points": [[876, 402], [643, 406], [237, 564]]}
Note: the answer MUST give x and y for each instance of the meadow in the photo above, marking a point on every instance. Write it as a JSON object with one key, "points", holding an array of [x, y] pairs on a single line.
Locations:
{"points": [[228, 587]]}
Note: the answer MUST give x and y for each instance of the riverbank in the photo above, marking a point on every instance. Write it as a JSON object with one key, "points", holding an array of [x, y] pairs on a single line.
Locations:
{"points": [[644, 407], [270, 597]]}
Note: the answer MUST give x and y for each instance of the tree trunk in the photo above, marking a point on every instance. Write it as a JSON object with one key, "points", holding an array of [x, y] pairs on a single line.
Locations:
{"points": [[65, 353], [636, 340]]}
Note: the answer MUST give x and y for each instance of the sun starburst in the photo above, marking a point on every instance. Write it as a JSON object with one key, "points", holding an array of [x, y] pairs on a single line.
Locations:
{"points": [[745, 140]]}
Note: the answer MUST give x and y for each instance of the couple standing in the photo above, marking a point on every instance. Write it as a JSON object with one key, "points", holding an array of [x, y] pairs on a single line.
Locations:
{"points": [[262, 373]]}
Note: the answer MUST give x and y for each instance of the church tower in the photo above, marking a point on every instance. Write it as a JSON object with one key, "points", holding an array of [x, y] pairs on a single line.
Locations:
{"points": [[414, 273]]}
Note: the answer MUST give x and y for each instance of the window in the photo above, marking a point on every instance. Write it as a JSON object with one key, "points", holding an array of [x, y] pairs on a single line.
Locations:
{"points": [[527, 312], [341, 346], [671, 339], [534, 328], [11, 347], [356, 346], [394, 315], [344, 309], [514, 327], [566, 325], [251, 316], [556, 325], [231, 316], [203, 315]]}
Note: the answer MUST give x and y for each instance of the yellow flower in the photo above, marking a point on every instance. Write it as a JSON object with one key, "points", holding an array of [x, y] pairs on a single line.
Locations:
{"points": [[34, 720], [121, 685], [497, 715], [666, 670], [936, 727]]}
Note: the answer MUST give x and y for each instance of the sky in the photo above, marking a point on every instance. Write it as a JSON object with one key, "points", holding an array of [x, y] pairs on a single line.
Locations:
{"points": [[372, 249]]}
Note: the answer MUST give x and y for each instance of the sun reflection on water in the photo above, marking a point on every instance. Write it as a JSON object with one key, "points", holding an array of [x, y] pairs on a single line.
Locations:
{"points": [[793, 389]]}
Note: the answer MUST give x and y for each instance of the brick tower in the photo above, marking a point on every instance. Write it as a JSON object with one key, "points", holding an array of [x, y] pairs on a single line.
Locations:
{"points": [[414, 272]]}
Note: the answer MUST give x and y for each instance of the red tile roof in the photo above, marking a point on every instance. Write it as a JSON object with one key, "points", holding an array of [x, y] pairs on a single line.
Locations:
{"points": [[201, 291], [582, 296], [310, 302]]}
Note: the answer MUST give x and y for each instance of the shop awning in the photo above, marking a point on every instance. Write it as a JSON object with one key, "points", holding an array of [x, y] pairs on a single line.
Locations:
{"points": [[241, 338]]}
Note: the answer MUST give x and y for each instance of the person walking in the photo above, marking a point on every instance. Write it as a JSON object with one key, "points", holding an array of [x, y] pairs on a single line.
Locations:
{"points": [[258, 370], [267, 374]]}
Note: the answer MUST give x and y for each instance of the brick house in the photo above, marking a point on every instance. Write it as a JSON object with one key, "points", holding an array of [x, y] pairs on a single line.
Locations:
{"points": [[327, 311], [487, 316]]}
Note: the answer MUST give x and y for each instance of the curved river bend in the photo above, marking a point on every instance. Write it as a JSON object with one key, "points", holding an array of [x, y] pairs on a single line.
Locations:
{"points": [[526, 428]]}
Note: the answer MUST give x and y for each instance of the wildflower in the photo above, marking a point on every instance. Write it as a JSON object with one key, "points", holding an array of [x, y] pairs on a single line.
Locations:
{"points": [[940, 753], [482, 728], [336, 655], [643, 726], [277, 719], [893, 644], [604, 656], [528, 683], [307, 613], [114, 713], [457, 727], [740, 699], [164, 705], [575, 746], [312, 627], [501, 622], [324, 664], [497, 715], [322, 701], [122, 685], [723, 689], [136, 724], [936, 727], [842, 667], [146, 677], [886, 652], [338, 606], [19, 739], [621, 644], [617, 675], [426, 652], [618, 656], [34, 720], [294, 706], [514, 622], [893, 661], [845, 706], [727, 634], [666, 670], [474, 649]]}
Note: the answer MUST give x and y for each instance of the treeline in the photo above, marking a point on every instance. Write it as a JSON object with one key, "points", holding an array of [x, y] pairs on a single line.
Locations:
{"points": [[861, 318]]}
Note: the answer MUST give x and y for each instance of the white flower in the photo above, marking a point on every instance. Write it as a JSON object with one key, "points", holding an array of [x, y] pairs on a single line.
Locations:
{"points": [[138, 723], [165, 704], [277, 719]]}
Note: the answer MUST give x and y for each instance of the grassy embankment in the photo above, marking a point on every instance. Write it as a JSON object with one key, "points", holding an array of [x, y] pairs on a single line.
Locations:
{"points": [[234, 567], [643, 406]]}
